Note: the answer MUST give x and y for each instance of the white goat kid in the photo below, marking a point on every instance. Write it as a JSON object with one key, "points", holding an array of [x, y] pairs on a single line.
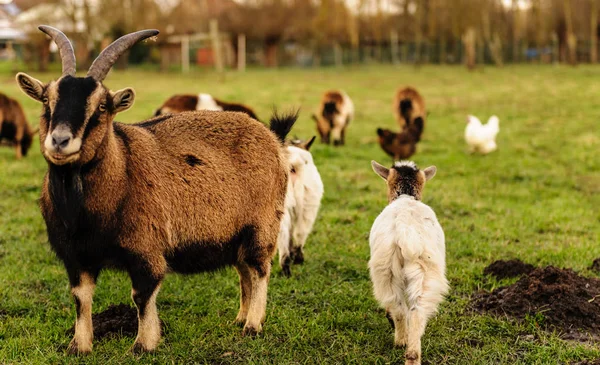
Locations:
{"points": [[302, 202], [408, 262]]}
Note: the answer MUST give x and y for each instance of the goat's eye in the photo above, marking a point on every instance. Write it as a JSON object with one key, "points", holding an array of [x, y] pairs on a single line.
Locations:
{"points": [[102, 108], [45, 100], [293, 170]]}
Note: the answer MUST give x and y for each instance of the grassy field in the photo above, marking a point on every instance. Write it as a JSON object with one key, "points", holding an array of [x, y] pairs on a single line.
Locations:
{"points": [[537, 198]]}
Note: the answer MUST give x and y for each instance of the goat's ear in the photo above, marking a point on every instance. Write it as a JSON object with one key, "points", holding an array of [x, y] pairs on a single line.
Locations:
{"points": [[307, 145], [429, 172], [380, 170], [31, 86], [123, 99]]}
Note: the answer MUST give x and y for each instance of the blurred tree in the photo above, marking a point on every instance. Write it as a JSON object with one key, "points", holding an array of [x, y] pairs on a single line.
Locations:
{"points": [[594, 31]]}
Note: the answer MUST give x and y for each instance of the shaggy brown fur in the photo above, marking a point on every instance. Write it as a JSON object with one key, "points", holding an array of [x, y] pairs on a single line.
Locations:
{"points": [[408, 105], [181, 103], [187, 193], [14, 128]]}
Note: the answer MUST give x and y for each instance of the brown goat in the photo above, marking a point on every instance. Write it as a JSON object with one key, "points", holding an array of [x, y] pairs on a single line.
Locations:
{"points": [[401, 145], [408, 105], [187, 193], [14, 128], [335, 113], [186, 102]]}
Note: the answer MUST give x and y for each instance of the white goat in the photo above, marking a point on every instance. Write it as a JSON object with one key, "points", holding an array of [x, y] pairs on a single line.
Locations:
{"points": [[408, 261], [302, 201]]}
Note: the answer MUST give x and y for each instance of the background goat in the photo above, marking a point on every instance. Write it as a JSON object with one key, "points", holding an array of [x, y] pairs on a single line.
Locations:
{"points": [[408, 259], [186, 192], [182, 103], [335, 113], [302, 202], [408, 106], [14, 128]]}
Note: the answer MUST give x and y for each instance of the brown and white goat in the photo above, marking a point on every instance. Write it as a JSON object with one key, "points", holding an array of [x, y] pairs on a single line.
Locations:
{"points": [[335, 113], [408, 106], [14, 128], [187, 102], [401, 145], [188, 192]]}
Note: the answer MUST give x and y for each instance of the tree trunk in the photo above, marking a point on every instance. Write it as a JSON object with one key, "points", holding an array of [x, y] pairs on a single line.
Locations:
{"points": [[515, 31], [418, 31], [271, 48], [594, 31], [571, 39], [469, 39]]}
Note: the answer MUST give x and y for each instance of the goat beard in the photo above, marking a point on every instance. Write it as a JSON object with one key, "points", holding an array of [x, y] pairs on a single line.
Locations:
{"points": [[66, 193]]}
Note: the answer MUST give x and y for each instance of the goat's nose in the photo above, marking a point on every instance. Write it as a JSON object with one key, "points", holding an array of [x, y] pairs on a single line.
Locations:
{"points": [[61, 139]]}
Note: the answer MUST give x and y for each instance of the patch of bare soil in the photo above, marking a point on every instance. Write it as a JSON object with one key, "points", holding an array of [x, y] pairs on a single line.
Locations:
{"points": [[508, 269], [116, 320], [596, 266], [568, 302]]}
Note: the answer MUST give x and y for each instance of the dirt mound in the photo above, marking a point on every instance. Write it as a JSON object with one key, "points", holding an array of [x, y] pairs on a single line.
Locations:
{"points": [[596, 266], [116, 320], [567, 301], [508, 269]]}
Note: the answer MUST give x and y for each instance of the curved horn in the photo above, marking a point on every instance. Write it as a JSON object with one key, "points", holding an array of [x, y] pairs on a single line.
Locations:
{"points": [[109, 56], [65, 49]]}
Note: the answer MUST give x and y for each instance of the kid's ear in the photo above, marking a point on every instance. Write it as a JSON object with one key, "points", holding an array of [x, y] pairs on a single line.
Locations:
{"points": [[429, 172], [309, 143], [380, 170], [123, 99], [33, 87]]}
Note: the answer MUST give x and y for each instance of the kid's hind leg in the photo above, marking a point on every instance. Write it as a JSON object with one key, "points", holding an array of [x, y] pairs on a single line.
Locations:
{"points": [[398, 318], [425, 291]]}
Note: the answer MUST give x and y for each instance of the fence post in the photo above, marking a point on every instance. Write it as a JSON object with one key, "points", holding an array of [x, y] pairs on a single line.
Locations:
{"points": [[337, 54], [241, 54], [216, 45], [185, 53], [394, 46]]}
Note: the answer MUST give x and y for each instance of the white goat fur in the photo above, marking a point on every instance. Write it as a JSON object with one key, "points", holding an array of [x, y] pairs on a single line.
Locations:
{"points": [[407, 267], [302, 202]]}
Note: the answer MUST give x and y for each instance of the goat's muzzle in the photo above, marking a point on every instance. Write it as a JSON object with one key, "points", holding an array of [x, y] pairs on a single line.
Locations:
{"points": [[61, 147]]}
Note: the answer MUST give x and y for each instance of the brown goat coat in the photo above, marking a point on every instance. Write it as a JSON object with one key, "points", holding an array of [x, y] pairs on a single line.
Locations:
{"points": [[13, 125], [417, 106], [238, 176]]}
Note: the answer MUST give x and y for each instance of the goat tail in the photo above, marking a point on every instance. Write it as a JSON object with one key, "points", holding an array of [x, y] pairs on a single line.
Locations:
{"points": [[281, 124], [158, 112], [405, 108]]}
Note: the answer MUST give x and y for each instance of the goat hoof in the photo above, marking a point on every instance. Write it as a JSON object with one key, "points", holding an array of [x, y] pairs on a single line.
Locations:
{"points": [[239, 321], [250, 331], [74, 349], [412, 358], [138, 349], [287, 272], [299, 258]]}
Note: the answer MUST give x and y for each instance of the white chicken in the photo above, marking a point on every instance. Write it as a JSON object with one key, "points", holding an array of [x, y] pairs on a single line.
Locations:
{"points": [[482, 138]]}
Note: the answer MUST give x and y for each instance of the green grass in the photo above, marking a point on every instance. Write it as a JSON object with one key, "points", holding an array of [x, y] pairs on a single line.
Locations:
{"points": [[536, 198]]}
